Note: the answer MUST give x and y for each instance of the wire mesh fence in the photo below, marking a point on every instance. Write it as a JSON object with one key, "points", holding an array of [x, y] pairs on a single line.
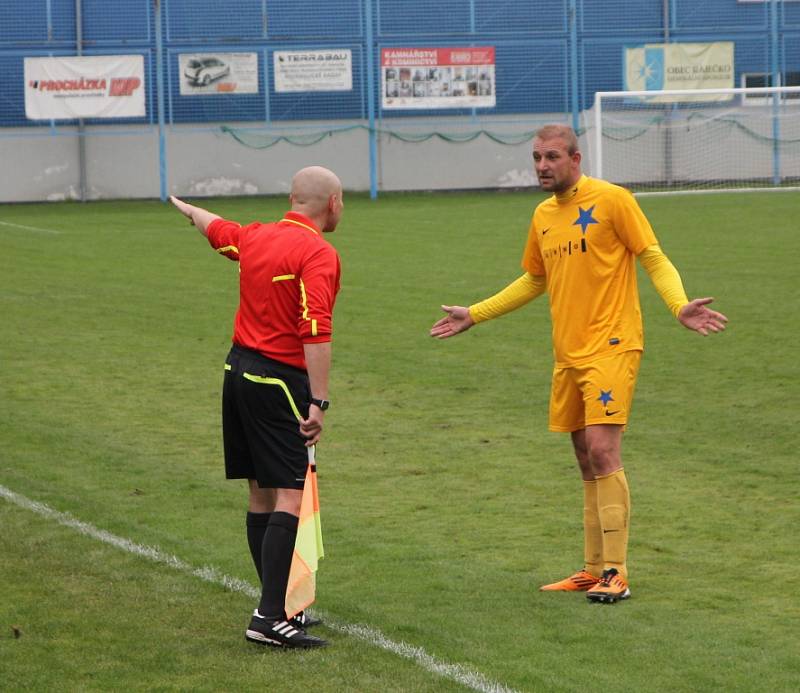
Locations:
{"points": [[277, 73]]}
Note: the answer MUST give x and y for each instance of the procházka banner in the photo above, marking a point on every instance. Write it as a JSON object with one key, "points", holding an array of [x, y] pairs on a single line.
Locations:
{"points": [[98, 86]]}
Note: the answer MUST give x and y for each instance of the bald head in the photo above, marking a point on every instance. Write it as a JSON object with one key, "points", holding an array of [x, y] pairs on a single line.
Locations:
{"points": [[313, 185], [317, 193]]}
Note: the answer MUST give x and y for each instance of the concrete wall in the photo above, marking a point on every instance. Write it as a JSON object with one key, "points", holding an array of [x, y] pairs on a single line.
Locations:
{"points": [[201, 162], [40, 167], [121, 163]]}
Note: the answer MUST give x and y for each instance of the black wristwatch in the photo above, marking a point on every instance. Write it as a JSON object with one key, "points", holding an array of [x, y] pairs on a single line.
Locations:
{"points": [[321, 403]]}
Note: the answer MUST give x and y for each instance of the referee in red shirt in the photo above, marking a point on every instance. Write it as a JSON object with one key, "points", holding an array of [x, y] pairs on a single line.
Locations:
{"points": [[275, 391]]}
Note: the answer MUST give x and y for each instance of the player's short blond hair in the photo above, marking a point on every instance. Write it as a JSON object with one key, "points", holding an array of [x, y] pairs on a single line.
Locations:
{"points": [[557, 131]]}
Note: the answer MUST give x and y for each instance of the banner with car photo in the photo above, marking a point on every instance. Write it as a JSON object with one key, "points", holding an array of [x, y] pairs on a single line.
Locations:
{"points": [[438, 77], [72, 87], [218, 73]]}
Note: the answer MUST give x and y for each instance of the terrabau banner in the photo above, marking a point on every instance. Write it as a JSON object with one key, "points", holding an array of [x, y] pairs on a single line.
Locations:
{"points": [[657, 66], [107, 86]]}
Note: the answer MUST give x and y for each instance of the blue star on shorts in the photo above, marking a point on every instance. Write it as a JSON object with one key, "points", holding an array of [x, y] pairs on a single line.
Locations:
{"points": [[605, 397], [585, 218]]}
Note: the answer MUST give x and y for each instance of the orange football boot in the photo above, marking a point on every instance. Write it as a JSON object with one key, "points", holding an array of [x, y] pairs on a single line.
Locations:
{"points": [[611, 588], [579, 582]]}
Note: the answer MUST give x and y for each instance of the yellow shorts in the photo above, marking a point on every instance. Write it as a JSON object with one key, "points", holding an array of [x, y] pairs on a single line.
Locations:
{"points": [[600, 392]]}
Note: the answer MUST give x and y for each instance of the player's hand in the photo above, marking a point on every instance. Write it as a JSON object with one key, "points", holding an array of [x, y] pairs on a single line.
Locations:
{"points": [[457, 320], [311, 428], [696, 316], [183, 207]]}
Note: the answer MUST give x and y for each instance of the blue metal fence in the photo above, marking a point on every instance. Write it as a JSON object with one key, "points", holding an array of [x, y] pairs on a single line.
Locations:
{"points": [[551, 56], [533, 39]]}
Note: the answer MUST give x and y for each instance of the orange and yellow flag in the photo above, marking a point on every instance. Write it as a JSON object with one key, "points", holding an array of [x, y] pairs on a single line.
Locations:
{"points": [[301, 589]]}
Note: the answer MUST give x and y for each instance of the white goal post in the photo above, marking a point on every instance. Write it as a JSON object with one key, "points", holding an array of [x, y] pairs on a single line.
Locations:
{"points": [[698, 139]]}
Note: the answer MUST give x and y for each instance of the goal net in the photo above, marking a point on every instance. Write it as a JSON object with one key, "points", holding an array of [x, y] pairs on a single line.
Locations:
{"points": [[701, 139]]}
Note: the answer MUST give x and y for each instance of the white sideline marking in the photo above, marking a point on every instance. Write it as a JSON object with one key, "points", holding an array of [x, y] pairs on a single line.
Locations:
{"points": [[455, 672], [28, 228], [713, 191]]}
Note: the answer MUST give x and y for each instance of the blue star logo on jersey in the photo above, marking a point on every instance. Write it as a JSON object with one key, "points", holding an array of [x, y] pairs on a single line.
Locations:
{"points": [[585, 218], [605, 397]]}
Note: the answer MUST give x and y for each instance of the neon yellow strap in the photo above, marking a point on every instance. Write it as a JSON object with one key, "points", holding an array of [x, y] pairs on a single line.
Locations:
{"points": [[665, 278], [299, 223], [515, 295], [227, 249], [304, 301], [303, 295], [279, 383]]}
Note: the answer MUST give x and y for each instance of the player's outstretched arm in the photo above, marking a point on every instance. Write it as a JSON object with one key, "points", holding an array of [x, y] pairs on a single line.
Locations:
{"points": [[197, 216], [516, 294], [457, 320], [696, 316]]}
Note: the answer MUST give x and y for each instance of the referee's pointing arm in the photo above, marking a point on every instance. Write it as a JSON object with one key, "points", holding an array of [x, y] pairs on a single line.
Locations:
{"points": [[197, 216]]}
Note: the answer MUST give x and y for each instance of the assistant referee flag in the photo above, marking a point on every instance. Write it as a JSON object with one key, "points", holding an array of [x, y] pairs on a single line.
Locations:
{"points": [[308, 549]]}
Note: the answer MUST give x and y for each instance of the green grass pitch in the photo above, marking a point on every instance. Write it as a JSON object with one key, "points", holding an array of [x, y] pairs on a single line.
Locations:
{"points": [[445, 501]]}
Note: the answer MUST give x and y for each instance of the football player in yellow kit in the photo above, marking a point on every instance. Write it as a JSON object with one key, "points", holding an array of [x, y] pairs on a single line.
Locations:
{"points": [[581, 250]]}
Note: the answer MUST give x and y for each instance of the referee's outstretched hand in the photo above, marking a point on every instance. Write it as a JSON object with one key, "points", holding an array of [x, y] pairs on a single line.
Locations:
{"points": [[457, 320], [183, 207], [696, 316], [197, 216]]}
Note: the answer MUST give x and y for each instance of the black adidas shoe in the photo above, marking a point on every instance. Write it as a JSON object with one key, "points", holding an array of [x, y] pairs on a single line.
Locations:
{"points": [[304, 620], [280, 633]]}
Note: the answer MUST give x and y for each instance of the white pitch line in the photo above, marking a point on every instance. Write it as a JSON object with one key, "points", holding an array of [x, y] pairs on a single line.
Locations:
{"points": [[455, 672], [28, 228]]}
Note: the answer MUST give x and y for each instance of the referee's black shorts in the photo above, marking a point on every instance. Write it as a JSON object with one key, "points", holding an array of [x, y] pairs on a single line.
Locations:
{"points": [[261, 402]]}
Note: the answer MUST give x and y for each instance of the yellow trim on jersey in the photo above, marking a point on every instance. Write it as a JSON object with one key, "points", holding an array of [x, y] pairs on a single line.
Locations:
{"points": [[282, 277], [228, 248], [664, 277], [227, 366], [299, 223], [515, 295], [304, 300], [279, 383]]}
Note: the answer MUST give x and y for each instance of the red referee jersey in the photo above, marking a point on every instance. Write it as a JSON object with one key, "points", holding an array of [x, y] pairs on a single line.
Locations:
{"points": [[288, 281]]}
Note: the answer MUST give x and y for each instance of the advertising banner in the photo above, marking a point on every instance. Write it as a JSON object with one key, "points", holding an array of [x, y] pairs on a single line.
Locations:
{"points": [[313, 70], [205, 74], [438, 77], [657, 66], [98, 86]]}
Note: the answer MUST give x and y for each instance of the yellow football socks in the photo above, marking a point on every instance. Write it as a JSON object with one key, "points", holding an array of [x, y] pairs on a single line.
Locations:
{"points": [[592, 533], [614, 507]]}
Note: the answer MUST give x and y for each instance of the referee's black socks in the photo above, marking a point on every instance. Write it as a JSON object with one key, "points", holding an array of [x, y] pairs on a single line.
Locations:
{"points": [[276, 561], [256, 528]]}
